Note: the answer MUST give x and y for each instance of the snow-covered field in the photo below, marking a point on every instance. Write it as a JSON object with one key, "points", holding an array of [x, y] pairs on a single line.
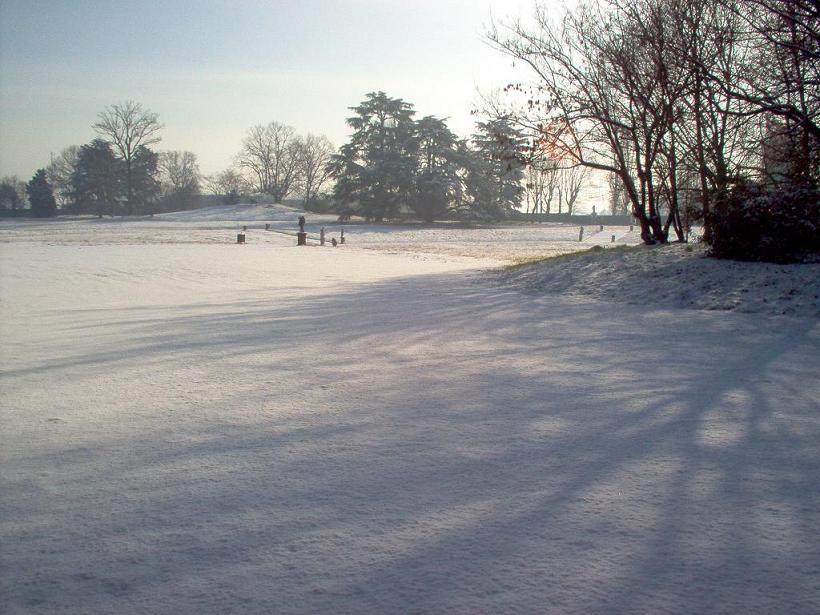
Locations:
{"points": [[193, 426], [219, 225]]}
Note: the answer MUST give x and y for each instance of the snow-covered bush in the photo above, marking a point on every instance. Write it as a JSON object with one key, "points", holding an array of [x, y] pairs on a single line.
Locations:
{"points": [[753, 223]]}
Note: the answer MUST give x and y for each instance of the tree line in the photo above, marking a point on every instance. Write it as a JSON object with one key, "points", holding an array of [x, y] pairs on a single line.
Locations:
{"points": [[687, 104], [119, 173], [393, 166], [397, 166]]}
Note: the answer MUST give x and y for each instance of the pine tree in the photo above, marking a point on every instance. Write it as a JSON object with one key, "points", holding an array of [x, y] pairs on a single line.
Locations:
{"points": [[40, 196], [97, 181], [145, 186], [501, 146], [479, 188], [438, 186], [374, 171]]}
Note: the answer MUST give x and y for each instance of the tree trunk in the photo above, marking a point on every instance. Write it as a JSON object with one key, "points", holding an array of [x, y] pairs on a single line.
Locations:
{"points": [[674, 210]]}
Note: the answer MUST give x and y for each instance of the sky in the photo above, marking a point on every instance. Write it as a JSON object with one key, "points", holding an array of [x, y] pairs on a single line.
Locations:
{"points": [[212, 69]]}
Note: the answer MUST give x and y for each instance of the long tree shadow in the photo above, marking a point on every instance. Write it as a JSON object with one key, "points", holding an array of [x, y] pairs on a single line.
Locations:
{"points": [[438, 444]]}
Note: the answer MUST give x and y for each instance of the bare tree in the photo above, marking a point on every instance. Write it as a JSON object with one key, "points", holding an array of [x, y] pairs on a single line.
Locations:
{"points": [[314, 156], [711, 140], [788, 38], [783, 78], [129, 127], [542, 181], [605, 93], [570, 181], [12, 192], [618, 203], [229, 184], [180, 177], [59, 172], [272, 155]]}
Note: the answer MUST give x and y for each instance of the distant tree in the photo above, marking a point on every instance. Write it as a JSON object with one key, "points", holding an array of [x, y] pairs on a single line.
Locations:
{"points": [[314, 156], [59, 172], [180, 179], [8, 196], [374, 171], [229, 184], [542, 181], [272, 155], [129, 127], [40, 196], [502, 147], [97, 179], [570, 181], [618, 203], [12, 192], [145, 186], [558, 160]]}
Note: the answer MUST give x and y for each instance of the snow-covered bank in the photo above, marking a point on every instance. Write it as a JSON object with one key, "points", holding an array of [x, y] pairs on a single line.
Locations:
{"points": [[675, 276], [203, 428]]}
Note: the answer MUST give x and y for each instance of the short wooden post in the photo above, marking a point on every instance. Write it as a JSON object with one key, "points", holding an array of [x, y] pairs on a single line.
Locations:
{"points": [[322, 236], [601, 228], [581, 234], [301, 236], [342, 238], [240, 238]]}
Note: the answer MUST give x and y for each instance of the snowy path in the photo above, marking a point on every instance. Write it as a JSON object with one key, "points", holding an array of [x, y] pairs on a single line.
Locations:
{"points": [[191, 429]]}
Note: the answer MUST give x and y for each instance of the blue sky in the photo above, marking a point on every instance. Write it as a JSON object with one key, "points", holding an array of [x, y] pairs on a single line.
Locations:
{"points": [[212, 69]]}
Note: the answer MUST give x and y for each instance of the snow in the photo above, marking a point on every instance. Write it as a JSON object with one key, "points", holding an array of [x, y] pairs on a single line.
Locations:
{"points": [[190, 425], [219, 225], [676, 276], [243, 212]]}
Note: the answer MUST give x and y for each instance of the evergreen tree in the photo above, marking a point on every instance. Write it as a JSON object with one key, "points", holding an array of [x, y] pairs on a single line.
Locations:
{"points": [[501, 146], [40, 196], [97, 179], [438, 186], [479, 193], [145, 186], [374, 171]]}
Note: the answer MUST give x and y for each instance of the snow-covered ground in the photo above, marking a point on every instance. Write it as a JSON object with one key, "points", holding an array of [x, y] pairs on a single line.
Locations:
{"points": [[219, 225], [676, 276], [191, 426]]}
